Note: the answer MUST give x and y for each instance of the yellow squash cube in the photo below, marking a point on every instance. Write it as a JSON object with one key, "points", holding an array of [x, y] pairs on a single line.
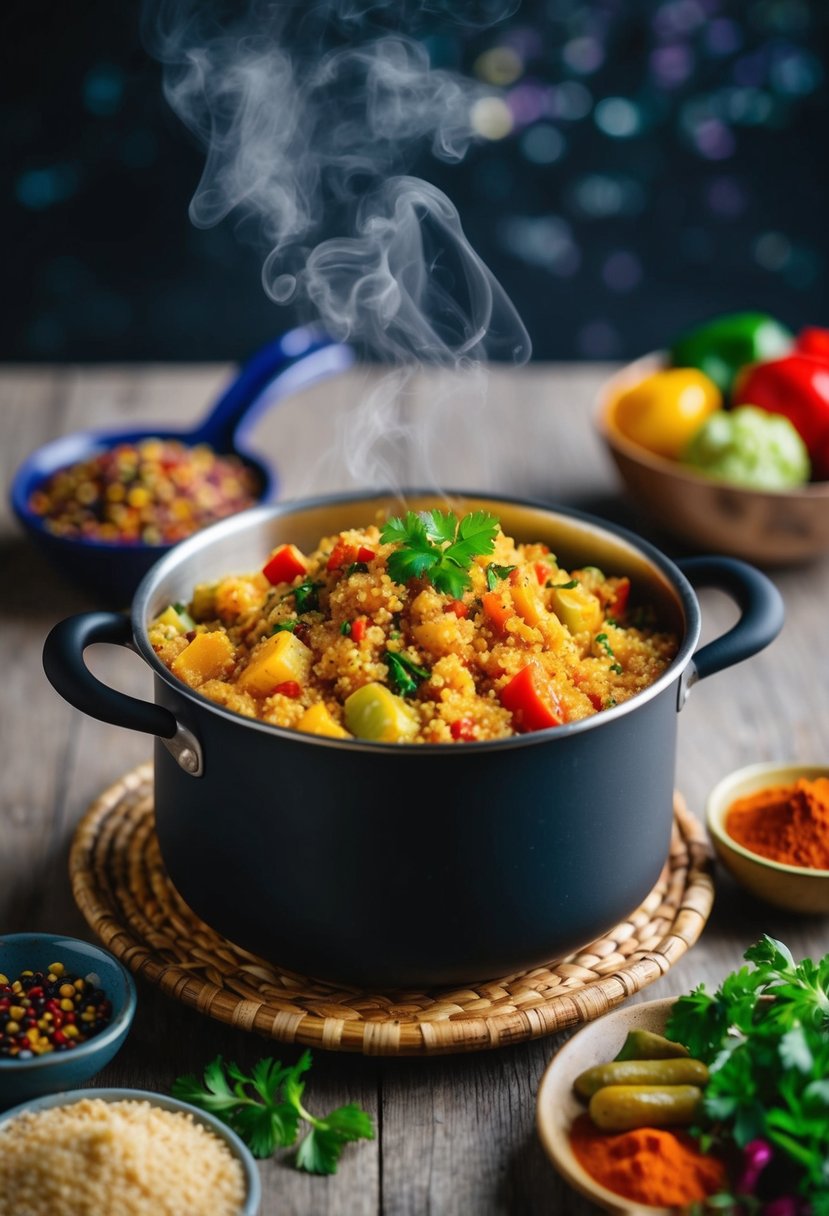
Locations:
{"points": [[279, 658], [208, 657], [318, 721], [375, 713], [577, 609]]}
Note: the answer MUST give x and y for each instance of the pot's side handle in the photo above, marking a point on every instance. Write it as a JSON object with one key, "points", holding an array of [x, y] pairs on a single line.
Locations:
{"points": [[761, 616], [63, 662]]}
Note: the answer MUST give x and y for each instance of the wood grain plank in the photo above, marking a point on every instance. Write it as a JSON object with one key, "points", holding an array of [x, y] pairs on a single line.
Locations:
{"points": [[457, 1134]]}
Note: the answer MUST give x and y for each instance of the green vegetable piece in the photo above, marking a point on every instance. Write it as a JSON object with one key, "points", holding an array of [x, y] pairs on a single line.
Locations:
{"points": [[677, 1071], [433, 544], [373, 712], [404, 674], [265, 1108], [306, 596], [620, 1108], [721, 348], [750, 447], [645, 1045], [284, 627], [356, 568], [495, 574]]}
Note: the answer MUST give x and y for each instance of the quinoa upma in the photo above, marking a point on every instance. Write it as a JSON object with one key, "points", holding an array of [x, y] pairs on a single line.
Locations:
{"points": [[425, 630]]}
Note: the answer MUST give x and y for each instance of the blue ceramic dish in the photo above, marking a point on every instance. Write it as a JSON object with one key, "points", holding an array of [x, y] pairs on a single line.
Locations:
{"points": [[23, 1079], [113, 571], [253, 1187]]}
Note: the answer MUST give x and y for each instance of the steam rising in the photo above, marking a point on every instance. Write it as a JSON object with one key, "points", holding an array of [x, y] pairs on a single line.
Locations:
{"points": [[309, 142]]}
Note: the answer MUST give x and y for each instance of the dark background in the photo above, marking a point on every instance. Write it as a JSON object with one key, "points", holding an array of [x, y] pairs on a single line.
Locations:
{"points": [[657, 162]]}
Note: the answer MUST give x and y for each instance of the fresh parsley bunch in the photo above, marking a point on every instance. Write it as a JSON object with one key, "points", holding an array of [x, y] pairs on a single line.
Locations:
{"points": [[265, 1109], [765, 1037], [436, 545]]}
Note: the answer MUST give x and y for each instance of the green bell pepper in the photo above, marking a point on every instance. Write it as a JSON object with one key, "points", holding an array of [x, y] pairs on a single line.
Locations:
{"points": [[721, 347]]}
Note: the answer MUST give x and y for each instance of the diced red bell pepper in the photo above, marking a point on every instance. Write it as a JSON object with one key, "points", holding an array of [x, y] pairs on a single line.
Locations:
{"points": [[288, 688], [796, 386], [813, 341], [358, 628], [496, 611], [618, 599], [530, 699], [462, 729], [284, 564], [460, 609], [542, 572], [343, 554]]}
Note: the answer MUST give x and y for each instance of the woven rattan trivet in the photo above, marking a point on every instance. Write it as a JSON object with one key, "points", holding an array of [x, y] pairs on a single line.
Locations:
{"points": [[121, 887]]}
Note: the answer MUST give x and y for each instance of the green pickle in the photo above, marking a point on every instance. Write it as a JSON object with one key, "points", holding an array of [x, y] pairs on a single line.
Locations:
{"points": [[621, 1108], [670, 1072], [646, 1045]]}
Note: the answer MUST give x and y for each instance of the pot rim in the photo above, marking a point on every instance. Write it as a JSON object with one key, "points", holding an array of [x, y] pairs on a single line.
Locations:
{"points": [[248, 518]]}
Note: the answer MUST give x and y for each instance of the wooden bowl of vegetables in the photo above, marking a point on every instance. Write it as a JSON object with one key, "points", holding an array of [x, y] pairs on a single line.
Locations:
{"points": [[748, 1133], [728, 457]]}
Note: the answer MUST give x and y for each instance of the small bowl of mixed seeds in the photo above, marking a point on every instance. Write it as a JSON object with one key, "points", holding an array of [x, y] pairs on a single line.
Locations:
{"points": [[66, 1007]]}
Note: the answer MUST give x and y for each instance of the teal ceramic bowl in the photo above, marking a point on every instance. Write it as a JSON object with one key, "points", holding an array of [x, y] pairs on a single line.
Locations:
{"points": [[253, 1187], [23, 1079]]}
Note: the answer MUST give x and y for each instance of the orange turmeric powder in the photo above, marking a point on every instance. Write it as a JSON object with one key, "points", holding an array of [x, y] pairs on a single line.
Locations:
{"points": [[648, 1165], [788, 823]]}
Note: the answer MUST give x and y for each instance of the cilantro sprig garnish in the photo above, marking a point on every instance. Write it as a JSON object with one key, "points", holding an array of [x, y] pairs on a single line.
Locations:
{"points": [[496, 574], [438, 546], [765, 1037], [265, 1109]]}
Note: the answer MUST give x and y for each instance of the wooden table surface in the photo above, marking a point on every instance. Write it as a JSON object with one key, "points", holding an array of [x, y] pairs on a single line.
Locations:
{"points": [[456, 1135]]}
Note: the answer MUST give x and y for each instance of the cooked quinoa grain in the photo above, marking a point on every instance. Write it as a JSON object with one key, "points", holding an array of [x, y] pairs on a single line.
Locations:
{"points": [[331, 644], [120, 1158]]}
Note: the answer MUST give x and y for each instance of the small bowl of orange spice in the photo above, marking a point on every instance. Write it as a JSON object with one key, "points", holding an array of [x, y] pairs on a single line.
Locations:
{"points": [[769, 824]]}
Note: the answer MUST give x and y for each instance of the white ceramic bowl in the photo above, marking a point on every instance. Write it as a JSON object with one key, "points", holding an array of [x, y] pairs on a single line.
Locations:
{"points": [[792, 887]]}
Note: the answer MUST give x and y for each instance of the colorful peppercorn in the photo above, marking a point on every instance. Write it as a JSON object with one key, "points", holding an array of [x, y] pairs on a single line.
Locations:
{"points": [[46, 1011], [154, 492]]}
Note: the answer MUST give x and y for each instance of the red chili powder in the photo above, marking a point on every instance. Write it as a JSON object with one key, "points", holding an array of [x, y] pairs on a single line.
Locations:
{"points": [[788, 823], [650, 1165]]}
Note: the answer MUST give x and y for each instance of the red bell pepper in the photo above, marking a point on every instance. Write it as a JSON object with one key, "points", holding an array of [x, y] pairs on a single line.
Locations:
{"points": [[796, 386], [460, 609], [284, 564], [530, 699], [288, 688], [343, 554], [496, 611], [358, 628], [814, 342], [462, 729]]}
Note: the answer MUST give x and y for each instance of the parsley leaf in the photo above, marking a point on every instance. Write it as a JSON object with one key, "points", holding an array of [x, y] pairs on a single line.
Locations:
{"points": [[765, 1037], [306, 596], [435, 544], [495, 574], [265, 1108], [404, 674]]}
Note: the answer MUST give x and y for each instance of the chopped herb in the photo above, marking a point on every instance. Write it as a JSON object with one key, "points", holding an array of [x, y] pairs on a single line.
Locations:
{"points": [[610, 702], [435, 545], [601, 639], [284, 627], [345, 628], [405, 675], [764, 1035], [356, 568], [494, 575], [265, 1109], [180, 608], [395, 634], [306, 596], [574, 582]]}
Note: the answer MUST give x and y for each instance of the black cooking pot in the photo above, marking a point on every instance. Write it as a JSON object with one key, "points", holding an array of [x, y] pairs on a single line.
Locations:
{"points": [[406, 864]]}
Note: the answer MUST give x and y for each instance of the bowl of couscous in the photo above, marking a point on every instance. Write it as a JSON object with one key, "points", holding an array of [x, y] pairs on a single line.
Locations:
{"points": [[68, 1154], [414, 739]]}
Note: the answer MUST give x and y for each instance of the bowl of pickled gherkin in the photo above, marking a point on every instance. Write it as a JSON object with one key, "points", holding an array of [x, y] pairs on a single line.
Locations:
{"points": [[613, 1110]]}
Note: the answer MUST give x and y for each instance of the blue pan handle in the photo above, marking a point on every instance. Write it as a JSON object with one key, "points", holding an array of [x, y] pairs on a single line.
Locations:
{"points": [[299, 358], [761, 616], [67, 672]]}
